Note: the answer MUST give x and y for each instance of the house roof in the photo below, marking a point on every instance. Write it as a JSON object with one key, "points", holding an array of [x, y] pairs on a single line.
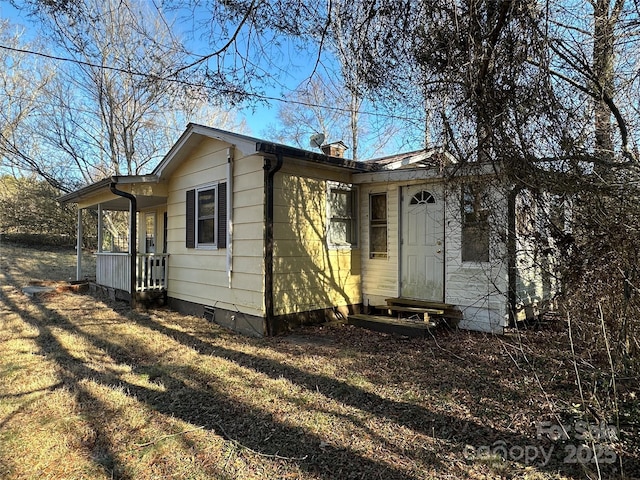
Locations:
{"points": [[425, 158], [102, 185], [194, 134]]}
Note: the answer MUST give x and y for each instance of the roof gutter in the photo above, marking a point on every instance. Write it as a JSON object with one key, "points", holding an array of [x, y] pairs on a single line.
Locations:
{"points": [[270, 172], [133, 236], [325, 160]]}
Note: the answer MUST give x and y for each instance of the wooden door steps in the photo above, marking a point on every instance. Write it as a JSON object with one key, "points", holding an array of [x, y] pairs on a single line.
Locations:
{"points": [[384, 324], [445, 310], [407, 317]]}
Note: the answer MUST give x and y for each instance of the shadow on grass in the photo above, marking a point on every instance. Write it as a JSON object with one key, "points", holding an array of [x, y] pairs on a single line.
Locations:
{"points": [[203, 406], [449, 428], [199, 402]]}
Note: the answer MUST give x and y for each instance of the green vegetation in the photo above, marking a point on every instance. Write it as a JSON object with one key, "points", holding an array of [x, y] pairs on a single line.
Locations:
{"points": [[30, 213]]}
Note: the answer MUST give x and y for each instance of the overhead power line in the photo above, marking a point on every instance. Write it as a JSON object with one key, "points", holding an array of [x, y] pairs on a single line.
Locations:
{"points": [[252, 95]]}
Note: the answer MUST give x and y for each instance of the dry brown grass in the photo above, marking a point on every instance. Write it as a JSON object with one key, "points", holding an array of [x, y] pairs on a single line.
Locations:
{"points": [[90, 389]]}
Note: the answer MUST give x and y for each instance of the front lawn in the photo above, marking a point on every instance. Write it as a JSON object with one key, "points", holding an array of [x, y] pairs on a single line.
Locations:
{"points": [[91, 389]]}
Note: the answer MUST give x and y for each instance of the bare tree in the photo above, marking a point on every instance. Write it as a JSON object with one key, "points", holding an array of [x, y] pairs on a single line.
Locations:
{"points": [[119, 100], [23, 80], [110, 102], [316, 106], [324, 105]]}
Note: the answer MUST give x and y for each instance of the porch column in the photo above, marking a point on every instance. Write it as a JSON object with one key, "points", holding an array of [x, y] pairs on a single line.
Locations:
{"points": [[79, 247], [99, 228], [133, 250]]}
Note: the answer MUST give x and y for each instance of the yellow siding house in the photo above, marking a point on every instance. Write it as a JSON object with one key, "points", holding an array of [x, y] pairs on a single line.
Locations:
{"points": [[260, 237]]}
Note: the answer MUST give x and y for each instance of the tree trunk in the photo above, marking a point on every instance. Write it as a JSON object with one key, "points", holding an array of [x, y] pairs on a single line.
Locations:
{"points": [[603, 73]]}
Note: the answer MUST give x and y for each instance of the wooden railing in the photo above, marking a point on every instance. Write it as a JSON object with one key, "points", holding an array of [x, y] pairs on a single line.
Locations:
{"points": [[112, 270], [152, 271]]}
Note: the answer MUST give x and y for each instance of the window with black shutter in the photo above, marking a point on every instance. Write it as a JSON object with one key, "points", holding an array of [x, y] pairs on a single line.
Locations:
{"points": [[206, 216]]}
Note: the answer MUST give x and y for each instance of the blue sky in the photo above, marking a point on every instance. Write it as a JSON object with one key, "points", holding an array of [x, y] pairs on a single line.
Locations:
{"points": [[295, 67], [257, 116]]}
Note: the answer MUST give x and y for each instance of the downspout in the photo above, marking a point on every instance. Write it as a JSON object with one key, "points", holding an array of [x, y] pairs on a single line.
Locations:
{"points": [[229, 213], [512, 266], [133, 208], [270, 172]]}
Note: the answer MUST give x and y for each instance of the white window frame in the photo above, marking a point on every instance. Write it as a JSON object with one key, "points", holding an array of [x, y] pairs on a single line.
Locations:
{"points": [[379, 223], [207, 245], [353, 218]]}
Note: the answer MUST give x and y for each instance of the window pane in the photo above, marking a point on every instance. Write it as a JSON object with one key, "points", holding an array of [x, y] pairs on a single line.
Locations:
{"points": [[475, 243], [378, 226], [150, 232], [379, 207], [475, 228], [421, 198], [206, 203], [340, 232], [340, 203], [206, 230], [378, 239], [206, 216], [472, 203]]}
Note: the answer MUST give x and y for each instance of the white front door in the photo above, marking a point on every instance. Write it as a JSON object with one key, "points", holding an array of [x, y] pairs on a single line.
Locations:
{"points": [[422, 243]]}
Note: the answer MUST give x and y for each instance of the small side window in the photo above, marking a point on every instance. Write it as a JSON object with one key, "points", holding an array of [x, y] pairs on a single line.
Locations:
{"points": [[475, 224], [342, 215], [206, 215], [378, 225], [421, 198]]}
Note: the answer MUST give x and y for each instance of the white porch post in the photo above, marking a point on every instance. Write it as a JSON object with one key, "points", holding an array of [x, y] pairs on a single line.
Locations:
{"points": [[79, 247], [99, 228]]}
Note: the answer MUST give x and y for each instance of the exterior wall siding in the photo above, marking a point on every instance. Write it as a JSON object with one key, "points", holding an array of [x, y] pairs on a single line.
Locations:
{"points": [[536, 280], [380, 275], [309, 275], [200, 276], [478, 289]]}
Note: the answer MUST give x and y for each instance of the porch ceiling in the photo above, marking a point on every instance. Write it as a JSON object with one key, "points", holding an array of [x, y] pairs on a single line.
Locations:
{"points": [[148, 191], [122, 204]]}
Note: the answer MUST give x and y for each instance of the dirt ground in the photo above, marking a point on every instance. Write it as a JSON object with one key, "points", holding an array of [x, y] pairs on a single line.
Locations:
{"points": [[90, 389]]}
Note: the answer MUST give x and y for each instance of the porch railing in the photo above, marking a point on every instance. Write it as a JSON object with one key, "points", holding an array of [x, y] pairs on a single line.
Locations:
{"points": [[152, 271], [112, 270]]}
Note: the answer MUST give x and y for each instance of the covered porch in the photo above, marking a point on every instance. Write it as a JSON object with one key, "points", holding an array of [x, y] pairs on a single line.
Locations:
{"points": [[113, 271], [138, 261]]}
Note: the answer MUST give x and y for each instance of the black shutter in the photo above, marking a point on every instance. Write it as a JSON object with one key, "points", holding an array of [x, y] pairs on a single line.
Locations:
{"points": [[191, 219], [222, 215]]}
